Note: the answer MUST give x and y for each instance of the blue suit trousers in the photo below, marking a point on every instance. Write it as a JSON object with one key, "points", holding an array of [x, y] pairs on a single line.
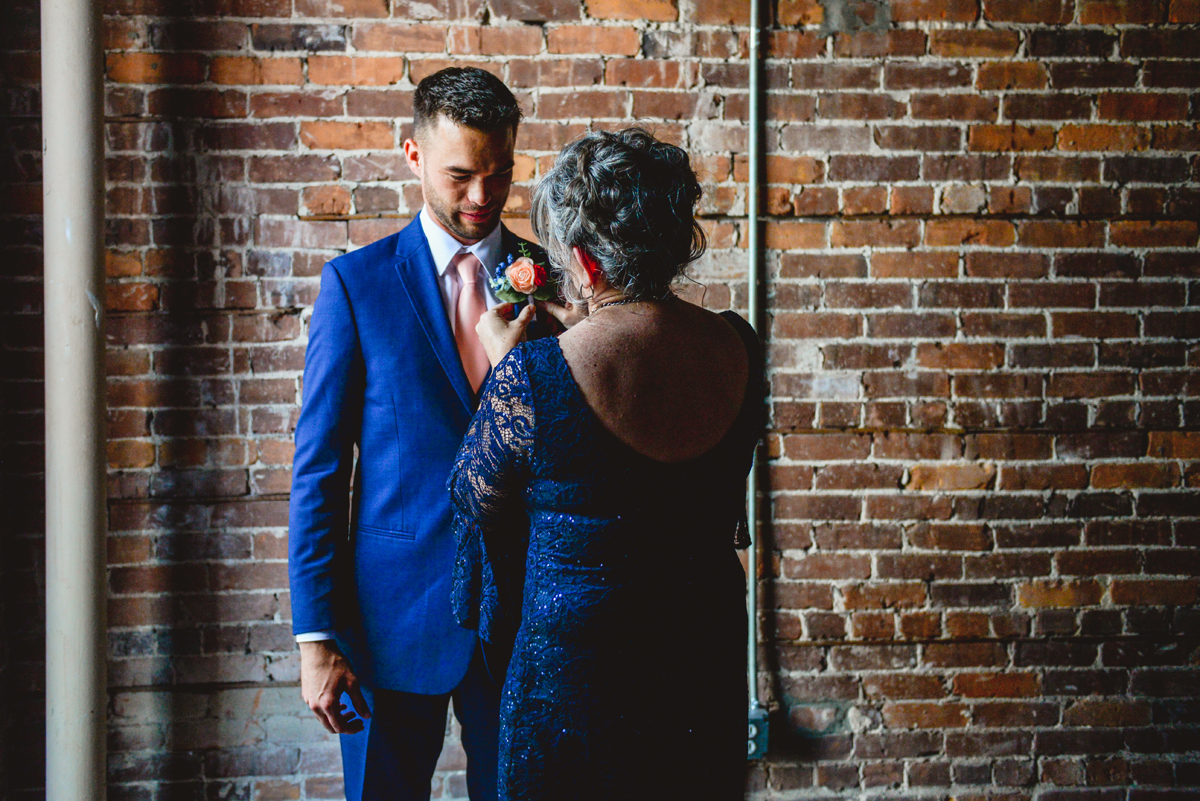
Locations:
{"points": [[394, 757]]}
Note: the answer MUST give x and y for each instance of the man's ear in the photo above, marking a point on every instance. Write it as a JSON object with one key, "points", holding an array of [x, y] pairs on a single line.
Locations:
{"points": [[412, 154]]}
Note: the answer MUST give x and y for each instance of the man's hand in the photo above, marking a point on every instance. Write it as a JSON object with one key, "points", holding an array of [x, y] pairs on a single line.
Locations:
{"points": [[324, 676], [499, 334], [569, 315]]}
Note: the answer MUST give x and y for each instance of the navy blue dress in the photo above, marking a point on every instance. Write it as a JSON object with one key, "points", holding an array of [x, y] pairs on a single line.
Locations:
{"points": [[616, 580]]}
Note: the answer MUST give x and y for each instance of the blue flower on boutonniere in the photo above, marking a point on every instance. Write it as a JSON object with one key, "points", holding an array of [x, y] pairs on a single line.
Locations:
{"points": [[520, 278]]}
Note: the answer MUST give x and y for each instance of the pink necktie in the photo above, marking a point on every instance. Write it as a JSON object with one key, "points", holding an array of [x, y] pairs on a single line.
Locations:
{"points": [[471, 307]]}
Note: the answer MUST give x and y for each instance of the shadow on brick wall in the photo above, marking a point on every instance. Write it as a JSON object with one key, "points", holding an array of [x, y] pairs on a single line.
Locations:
{"points": [[21, 401]]}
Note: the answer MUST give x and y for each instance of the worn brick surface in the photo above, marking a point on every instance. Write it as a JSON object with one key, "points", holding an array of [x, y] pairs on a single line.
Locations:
{"points": [[980, 558]]}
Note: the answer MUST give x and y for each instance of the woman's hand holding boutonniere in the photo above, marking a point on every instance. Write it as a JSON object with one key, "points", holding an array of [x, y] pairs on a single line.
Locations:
{"points": [[500, 331]]}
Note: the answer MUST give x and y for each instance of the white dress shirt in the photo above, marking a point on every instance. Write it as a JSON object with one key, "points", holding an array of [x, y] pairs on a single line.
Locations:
{"points": [[444, 248]]}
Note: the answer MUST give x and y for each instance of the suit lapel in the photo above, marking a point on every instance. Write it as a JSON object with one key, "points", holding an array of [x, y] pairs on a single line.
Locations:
{"points": [[414, 264]]}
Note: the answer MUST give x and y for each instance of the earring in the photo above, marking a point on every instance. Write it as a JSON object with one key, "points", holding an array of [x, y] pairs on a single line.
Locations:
{"points": [[590, 295]]}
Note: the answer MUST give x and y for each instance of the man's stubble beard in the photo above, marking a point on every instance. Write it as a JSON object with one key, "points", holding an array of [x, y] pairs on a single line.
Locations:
{"points": [[446, 217]]}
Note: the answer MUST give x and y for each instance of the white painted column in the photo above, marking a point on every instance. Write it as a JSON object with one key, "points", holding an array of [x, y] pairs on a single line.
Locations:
{"points": [[76, 518]]}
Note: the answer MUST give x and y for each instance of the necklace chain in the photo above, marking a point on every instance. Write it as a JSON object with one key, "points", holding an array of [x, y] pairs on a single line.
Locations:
{"points": [[618, 302]]}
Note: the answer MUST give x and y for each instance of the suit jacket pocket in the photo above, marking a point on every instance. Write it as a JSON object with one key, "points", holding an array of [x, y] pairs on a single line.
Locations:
{"points": [[386, 532]]}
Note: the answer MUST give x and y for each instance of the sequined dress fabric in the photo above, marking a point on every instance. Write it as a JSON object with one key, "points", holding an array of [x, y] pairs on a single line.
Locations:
{"points": [[616, 579]]}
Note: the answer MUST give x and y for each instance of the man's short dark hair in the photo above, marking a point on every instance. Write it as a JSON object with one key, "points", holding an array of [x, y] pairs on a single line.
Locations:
{"points": [[465, 96]]}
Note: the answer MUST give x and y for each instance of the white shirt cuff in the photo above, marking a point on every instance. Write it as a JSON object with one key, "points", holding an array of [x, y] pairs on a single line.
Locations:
{"points": [[314, 636]]}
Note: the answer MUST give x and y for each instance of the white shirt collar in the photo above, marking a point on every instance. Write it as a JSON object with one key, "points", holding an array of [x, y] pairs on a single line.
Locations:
{"points": [[445, 247]]}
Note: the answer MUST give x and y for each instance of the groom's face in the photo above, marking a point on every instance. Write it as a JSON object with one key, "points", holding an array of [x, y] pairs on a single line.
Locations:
{"points": [[465, 176]]}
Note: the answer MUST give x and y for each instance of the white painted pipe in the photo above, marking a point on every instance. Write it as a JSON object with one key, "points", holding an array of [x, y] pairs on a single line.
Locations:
{"points": [[76, 518], [754, 257]]}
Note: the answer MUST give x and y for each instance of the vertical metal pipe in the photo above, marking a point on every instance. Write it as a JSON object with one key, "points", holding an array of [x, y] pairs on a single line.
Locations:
{"points": [[76, 518], [752, 274]]}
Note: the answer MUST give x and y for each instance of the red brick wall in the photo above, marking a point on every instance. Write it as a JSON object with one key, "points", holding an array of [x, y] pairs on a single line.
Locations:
{"points": [[982, 286]]}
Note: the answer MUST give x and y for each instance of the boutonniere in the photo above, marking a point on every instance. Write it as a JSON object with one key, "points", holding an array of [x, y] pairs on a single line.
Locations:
{"points": [[520, 278]]}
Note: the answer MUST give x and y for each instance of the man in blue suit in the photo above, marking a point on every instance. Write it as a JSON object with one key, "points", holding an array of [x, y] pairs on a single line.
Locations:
{"points": [[393, 369]]}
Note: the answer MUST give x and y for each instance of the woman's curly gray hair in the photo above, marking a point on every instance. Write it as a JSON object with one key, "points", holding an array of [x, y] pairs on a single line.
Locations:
{"points": [[626, 199]]}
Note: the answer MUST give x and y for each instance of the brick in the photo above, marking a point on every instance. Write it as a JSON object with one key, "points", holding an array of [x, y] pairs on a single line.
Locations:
{"points": [[992, 76], [911, 715], [488, 40], [1174, 445], [652, 10], [591, 40], [994, 43], [342, 8], [295, 104], [1155, 233], [794, 236], [241, 70], [825, 138], [964, 655], [785, 44], [882, 233], [873, 168], [1011, 137], [1054, 234], [1184, 11], [1120, 138], [586, 104], [1096, 563], [142, 68], [963, 231], [389, 37], [914, 264], [911, 200], [1159, 74], [834, 76], [1154, 592], [826, 447], [1136, 475], [1121, 12], [1047, 106], [782, 169], [1050, 593], [950, 477], [348, 71], [1005, 265], [865, 200], [883, 596], [903, 686], [647, 73], [720, 12], [1050, 12], [954, 107], [1139, 107], [347, 135], [276, 36], [996, 685], [859, 106]]}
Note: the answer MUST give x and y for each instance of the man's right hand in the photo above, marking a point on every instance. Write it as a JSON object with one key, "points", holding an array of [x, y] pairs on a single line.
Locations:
{"points": [[324, 676]]}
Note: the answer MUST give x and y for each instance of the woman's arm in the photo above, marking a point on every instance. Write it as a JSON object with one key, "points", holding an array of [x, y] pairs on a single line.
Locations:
{"points": [[490, 529]]}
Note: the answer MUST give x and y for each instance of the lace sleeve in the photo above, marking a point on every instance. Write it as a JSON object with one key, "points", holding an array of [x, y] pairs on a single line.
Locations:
{"points": [[490, 528], [494, 456]]}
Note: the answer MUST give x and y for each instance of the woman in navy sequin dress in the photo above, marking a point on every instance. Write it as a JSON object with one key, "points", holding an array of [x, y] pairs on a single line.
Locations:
{"points": [[599, 494]]}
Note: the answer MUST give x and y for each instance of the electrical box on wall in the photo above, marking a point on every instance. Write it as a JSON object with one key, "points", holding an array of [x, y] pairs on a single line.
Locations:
{"points": [[756, 734]]}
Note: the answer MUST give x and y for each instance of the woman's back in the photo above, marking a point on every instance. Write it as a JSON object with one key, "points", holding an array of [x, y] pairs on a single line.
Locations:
{"points": [[667, 379]]}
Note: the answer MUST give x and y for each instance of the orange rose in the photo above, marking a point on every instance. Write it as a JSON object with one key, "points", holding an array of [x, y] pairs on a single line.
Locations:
{"points": [[524, 275]]}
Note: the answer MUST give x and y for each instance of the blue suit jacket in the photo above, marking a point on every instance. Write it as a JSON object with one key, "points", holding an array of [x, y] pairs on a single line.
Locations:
{"points": [[382, 373]]}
